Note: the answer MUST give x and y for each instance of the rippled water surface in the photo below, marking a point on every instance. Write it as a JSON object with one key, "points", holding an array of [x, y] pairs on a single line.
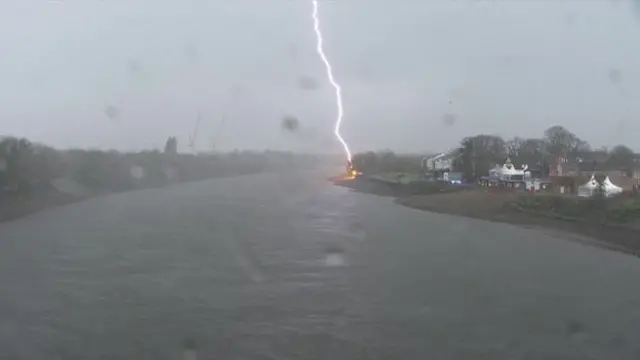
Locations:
{"points": [[291, 267]]}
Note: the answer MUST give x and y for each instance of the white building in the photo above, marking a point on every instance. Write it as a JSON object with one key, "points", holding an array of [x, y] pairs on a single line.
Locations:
{"points": [[439, 162], [508, 172]]}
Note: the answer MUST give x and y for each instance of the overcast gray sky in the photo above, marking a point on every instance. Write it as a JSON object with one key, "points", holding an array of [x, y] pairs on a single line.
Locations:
{"points": [[495, 66]]}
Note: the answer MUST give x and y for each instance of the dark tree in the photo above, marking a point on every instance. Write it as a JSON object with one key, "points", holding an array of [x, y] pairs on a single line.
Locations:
{"points": [[622, 150], [478, 154]]}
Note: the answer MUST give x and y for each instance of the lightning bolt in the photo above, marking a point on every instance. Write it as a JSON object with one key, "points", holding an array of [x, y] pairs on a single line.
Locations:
{"points": [[334, 83]]}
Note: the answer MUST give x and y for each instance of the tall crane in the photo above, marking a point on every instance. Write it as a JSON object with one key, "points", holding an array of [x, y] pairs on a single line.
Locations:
{"points": [[194, 135]]}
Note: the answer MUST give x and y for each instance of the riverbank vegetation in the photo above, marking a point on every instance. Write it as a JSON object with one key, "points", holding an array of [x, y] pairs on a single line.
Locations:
{"points": [[619, 210], [475, 155], [34, 176], [558, 154]]}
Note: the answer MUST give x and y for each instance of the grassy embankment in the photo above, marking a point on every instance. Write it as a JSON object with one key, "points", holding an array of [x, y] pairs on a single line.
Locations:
{"points": [[615, 222], [411, 191], [616, 211]]}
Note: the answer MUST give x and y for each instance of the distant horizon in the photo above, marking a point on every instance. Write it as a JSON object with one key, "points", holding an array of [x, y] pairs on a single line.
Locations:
{"points": [[184, 149]]}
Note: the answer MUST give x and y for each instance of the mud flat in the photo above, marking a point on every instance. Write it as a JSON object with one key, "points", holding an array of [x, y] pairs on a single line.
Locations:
{"points": [[15, 207], [501, 206]]}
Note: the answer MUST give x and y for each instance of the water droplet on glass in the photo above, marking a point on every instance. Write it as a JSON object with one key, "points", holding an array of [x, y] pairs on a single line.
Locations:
{"points": [[191, 52], [615, 76], [290, 123], [307, 83], [137, 172], [134, 66], [449, 119], [112, 112], [335, 260]]}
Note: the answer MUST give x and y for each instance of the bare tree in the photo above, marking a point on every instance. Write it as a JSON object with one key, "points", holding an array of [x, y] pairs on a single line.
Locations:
{"points": [[561, 141]]}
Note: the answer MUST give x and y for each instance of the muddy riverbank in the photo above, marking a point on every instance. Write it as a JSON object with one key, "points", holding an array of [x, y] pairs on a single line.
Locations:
{"points": [[498, 206]]}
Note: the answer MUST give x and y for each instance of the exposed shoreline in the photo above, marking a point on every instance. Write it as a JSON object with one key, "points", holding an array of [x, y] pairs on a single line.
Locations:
{"points": [[14, 208], [498, 207]]}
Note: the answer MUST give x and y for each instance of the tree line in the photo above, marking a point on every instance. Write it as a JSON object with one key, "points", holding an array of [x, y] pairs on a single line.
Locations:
{"points": [[27, 168], [476, 155]]}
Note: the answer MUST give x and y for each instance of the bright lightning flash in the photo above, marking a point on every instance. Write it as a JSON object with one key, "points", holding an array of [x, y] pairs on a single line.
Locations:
{"points": [[334, 83]]}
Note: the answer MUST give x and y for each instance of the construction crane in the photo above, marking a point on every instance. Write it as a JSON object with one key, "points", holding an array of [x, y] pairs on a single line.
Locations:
{"points": [[194, 135]]}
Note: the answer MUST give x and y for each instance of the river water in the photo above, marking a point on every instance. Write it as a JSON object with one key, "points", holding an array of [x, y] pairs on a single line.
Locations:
{"points": [[276, 266]]}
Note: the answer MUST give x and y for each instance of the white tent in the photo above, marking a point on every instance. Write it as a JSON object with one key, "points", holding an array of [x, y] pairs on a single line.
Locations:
{"points": [[609, 188], [588, 189]]}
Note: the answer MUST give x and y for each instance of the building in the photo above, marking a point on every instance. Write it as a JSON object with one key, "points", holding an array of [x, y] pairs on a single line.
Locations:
{"points": [[570, 165], [522, 176], [622, 170], [440, 167], [442, 162], [506, 175]]}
